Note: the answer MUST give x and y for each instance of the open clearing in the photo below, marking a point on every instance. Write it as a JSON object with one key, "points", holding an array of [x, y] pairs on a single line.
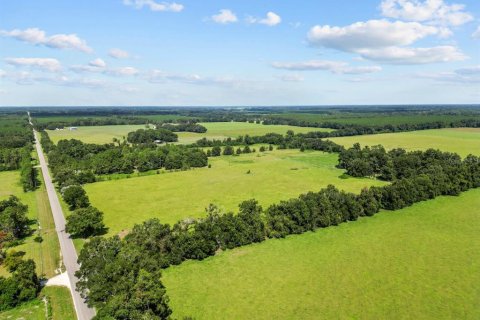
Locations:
{"points": [[94, 134], [47, 253], [463, 141], [60, 301], [274, 176], [421, 262], [215, 130]]}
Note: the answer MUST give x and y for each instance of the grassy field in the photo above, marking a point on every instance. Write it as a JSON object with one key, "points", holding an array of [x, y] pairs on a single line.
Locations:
{"points": [[94, 134], [172, 196], [60, 301], [379, 119], [45, 254], [421, 262], [215, 130], [460, 140]]}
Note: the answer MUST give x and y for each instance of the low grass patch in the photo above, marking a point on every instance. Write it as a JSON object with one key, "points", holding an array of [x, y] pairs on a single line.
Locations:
{"points": [[215, 130], [460, 140], [32, 310], [421, 262], [45, 254], [274, 176], [61, 302]]}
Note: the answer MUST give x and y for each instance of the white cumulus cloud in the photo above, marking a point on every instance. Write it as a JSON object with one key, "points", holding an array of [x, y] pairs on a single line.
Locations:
{"points": [[225, 16], [433, 11], [45, 64], [385, 41], [118, 53], [36, 36], [369, 34], [155, 6], [272, 19]]}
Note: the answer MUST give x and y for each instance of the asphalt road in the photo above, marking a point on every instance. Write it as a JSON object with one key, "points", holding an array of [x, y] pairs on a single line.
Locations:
{"points": [[67, 248]]}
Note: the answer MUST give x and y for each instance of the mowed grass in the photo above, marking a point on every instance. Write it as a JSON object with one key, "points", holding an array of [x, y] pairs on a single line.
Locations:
{"points": [[94, 134], [172, 196], [421, 262], [215, 130], [463, 141], [45, 254], [60, 301]]}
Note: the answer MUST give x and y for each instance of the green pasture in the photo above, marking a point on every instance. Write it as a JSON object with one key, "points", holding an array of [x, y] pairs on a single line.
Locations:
{"points": [[215, 130], [379, 119], [45, 254], [172, 196], [421, 262], [59, 300], [463, 141]]}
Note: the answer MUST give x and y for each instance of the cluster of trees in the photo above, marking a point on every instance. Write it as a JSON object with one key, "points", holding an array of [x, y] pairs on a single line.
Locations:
{"points": [[14, 223], [312, 141], [152, 245], [23, 284], [85, 220], [75, 162], [142, 136], [229, 150]]}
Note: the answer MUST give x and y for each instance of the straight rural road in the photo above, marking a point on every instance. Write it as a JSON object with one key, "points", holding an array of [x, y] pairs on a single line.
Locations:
{"points": [[66, 244]]}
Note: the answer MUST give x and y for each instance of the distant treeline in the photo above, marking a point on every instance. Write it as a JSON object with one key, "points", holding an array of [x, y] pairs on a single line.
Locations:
{"points": [[111, 267], [103, 121]]}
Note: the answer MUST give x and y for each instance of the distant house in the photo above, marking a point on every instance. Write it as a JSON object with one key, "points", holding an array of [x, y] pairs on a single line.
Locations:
{"points": [[73, 128]]}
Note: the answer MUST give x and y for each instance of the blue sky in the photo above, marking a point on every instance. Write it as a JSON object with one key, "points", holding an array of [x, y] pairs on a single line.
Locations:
{"points": [[239, 53]]}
